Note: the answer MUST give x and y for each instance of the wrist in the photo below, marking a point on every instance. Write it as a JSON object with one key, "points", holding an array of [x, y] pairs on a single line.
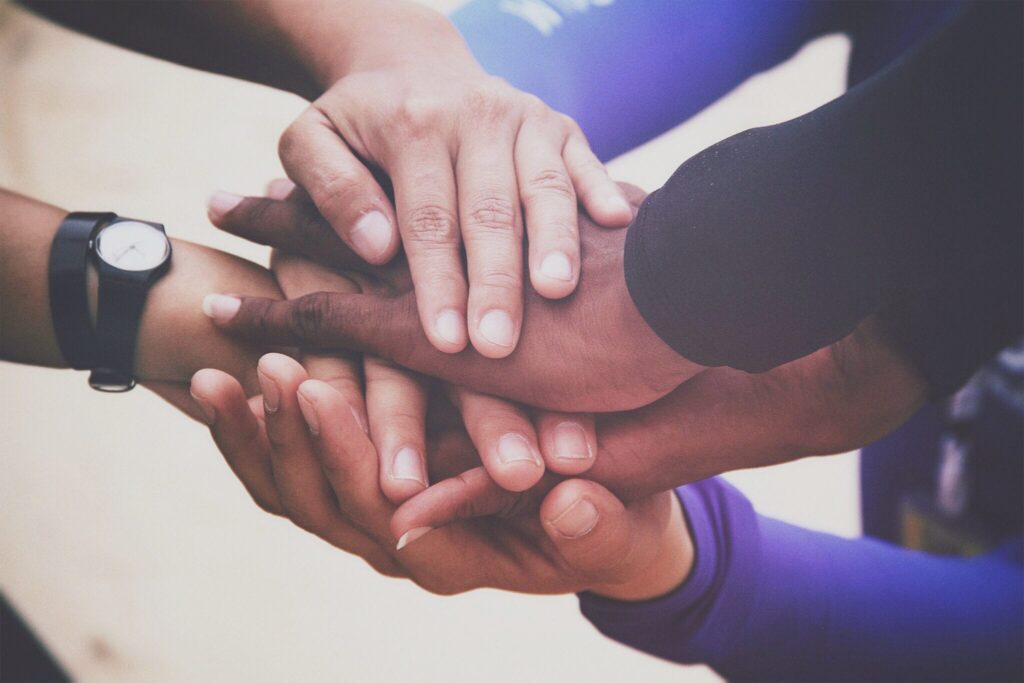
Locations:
{"points": [[664, 368], [175, 339], [377, 35]]}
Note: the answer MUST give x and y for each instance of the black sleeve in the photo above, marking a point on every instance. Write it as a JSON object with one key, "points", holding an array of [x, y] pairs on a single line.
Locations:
{"points": [[904, 197]]}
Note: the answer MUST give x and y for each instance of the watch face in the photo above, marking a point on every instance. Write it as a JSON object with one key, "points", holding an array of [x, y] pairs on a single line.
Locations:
{"points": [[131, 245]]}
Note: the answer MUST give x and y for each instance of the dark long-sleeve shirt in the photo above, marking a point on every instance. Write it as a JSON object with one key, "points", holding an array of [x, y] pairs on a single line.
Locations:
{"points": [[766, 600], [903, 197]]}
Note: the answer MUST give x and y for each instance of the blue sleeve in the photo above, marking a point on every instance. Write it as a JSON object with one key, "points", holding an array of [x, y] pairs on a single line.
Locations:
{"points": [[770, 601], [629, 70]]}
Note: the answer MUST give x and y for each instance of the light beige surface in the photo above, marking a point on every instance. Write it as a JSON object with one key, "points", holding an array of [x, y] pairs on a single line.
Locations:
{"points": [[123, 536]]}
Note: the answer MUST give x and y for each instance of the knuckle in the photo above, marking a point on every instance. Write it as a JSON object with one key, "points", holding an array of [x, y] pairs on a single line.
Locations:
{"points": [[433, 224], [517, 504], [309, 315], [249, 216], [549, 182], [499, 279], [303, 520], [310, 226], [571, 126], [433, 584], [279, 446], [265, 503], [403, 418], [536, 108], [288, 143], [488, 100], [333, 194], [472, 507], [419, 116], [383, 564], [588, 164], [493, 213], [333, 465]]}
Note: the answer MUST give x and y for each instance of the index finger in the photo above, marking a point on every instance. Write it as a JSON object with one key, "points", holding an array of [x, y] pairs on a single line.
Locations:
{"points": [[292, 224], [316, 157]]}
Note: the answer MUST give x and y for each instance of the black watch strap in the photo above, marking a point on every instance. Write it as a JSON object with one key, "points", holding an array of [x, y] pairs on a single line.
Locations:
{"points": [[69, 301], [121, 301]]}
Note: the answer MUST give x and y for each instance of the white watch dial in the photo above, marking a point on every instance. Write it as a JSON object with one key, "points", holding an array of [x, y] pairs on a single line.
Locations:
{"points": [[131, 245]]}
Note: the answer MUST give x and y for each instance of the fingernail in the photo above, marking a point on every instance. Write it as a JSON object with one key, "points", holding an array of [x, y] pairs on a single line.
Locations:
{"points": [[577, 520], [408, 465], [571, 442], [449, 326], [496, 327], [308, 411], [556, 266], [411, 535], [220, 307], [371, 234], [280, 188], [359, 419], [515, 448], [220, 203], [271, 394], [206, 408]]}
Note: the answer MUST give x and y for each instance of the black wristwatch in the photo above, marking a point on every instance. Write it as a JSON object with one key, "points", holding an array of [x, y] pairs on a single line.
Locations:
{"points": [[130, 255]]}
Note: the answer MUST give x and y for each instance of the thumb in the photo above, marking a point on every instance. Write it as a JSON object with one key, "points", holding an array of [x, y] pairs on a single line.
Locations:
{"points": [[606, 542], [317, 321], [292, 224]]}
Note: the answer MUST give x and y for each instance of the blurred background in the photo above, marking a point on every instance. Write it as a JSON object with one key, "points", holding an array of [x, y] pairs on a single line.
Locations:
{"points": [[126, 542]]}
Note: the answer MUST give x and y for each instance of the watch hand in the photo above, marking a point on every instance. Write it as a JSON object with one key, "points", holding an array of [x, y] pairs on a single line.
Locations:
{"points": [[119, 256]]}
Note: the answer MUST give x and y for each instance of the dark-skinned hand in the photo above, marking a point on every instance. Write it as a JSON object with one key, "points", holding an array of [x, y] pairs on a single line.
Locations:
{"points": [[591, 351]]}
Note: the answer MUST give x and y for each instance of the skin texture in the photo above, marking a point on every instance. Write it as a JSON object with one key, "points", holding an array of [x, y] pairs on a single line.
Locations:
{"points": [[467, 158], [175, 338], [589, 352], [305, 455], [400, 111], [832, 401], [396, 404]]}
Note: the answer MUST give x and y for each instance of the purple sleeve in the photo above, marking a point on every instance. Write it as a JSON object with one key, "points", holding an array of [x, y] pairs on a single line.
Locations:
{"points": [[769, 601]]}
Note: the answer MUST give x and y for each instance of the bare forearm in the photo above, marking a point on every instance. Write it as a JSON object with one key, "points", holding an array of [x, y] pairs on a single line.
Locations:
{"points": [[175, 338], [297, 45], [218, 37], [27, 228], [333, 38]]}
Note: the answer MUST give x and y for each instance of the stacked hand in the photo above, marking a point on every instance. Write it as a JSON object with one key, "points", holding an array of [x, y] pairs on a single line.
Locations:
{"points": [[591, 351], [831, 401], [303, 450], [468, 161]]}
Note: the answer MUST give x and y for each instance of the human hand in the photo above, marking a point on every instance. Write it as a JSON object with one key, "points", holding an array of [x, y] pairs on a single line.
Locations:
{"points": [[590, 352], [835, 400], [467, 157], [175, 340], [303, 453], [516, 444]]}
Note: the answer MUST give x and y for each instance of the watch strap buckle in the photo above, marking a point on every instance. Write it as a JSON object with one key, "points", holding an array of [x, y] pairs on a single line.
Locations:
{"points": [[111, 381]]}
